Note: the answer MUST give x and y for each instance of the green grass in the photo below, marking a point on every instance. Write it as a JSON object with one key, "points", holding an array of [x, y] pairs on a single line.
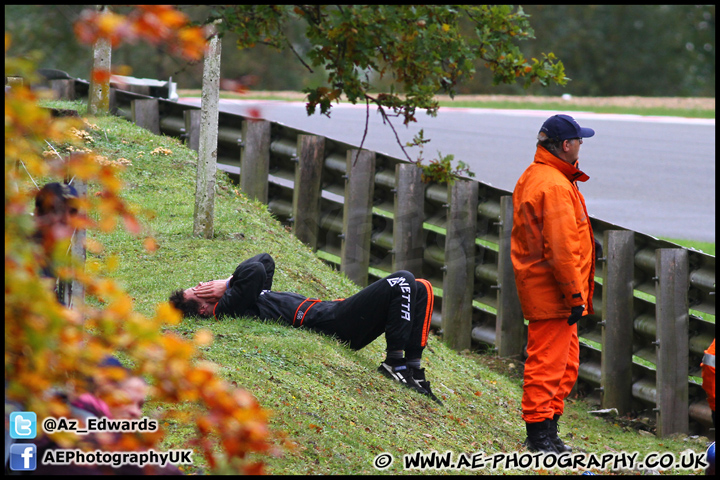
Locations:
{"points": [[332, 413], [565, 106], [705, 247]]}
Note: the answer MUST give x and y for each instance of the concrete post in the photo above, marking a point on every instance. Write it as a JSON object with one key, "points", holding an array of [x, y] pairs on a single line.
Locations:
{"points": [[79, 253], [99, 93], [203, 216]]}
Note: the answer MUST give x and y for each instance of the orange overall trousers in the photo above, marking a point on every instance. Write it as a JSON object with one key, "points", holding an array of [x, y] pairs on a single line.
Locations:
{"points": [[708, 374], [551, 368]]}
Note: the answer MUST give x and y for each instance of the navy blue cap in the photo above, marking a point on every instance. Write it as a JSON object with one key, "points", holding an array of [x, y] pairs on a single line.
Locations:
{"points": [[564, 127], [53, 197], [111, 361], [62, 190]]}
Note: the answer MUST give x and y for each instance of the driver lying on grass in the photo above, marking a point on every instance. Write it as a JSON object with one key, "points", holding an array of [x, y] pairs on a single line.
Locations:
{"points": [[398, 305]]}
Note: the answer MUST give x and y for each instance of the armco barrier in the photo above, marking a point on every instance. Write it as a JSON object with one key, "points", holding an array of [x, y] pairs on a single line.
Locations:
{"points": [[650, 282]]}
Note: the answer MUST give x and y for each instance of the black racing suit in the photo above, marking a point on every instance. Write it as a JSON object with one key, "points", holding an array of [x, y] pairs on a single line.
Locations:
{"points": [[398, 305]]}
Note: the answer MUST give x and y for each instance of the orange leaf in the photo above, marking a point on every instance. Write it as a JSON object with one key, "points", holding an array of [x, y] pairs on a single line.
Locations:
{"points": [[84, 32], [170, 17], [107, 224], [255, 468], [131, 224], [121, 306], [150, 244], [192, 43], [203, 337], [167, 313]]}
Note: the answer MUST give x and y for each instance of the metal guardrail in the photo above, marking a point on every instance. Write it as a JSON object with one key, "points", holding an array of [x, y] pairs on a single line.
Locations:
{"points": [[490, 239]]}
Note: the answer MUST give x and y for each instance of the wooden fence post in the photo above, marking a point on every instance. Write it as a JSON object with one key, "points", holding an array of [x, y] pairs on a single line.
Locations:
{"points": [[308, 186], [671, 311], [146, 114], [408, 219], [357, 215], [15, 82], [509, 326], [64, 89], [139, 89], [255, 159], [192, 118], [204, 214], [112, 100], [617, 308], [459, 276]]}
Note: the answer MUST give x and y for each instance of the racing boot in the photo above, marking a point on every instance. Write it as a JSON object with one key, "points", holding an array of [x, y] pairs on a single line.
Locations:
{"points": [[401, 374], [555, 439], [418, 375], [538, 437]]}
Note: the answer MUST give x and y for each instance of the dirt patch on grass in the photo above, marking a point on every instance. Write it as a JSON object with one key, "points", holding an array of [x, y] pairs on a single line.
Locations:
{"points": [[633, 101]]}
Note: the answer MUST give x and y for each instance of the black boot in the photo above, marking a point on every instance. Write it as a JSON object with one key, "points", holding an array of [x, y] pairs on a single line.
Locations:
{"points": [[418, 374], [555, 439], [538, 437]]}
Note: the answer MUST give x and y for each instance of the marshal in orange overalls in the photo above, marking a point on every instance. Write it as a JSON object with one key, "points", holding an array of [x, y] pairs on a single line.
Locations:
{"points": [[708, 376], [553, 252]]}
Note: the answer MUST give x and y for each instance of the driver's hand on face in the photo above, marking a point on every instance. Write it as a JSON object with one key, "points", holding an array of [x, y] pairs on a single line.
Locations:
{"points": [[210, 291]]}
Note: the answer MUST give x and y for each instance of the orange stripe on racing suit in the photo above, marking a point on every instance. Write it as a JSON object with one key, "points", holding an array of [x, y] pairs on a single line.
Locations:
{"points": [[428, 310], [312, 301]]}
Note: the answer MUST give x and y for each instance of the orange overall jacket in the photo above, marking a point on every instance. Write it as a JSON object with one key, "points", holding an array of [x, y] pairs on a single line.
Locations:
{"points": [[708, 374], [552, 243]]}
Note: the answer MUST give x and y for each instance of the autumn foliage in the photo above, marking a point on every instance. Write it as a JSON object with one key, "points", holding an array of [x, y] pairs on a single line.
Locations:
{"points": [[156, 24], [51, 347]]}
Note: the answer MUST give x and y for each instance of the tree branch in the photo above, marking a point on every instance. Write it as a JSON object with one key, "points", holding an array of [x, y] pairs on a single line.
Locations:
{"points": [[367, 123], [386, 119], [298, 55]]}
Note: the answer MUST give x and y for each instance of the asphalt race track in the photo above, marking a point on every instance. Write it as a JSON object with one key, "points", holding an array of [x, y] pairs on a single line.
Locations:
{"points": [[654, 175]]}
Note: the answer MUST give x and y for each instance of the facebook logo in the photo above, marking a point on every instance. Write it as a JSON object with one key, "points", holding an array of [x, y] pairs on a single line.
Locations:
{"points": [[23, 425], [23, 457]]}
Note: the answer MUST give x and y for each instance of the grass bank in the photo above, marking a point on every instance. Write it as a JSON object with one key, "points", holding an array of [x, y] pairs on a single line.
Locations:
{"points": [[706, 247], [331, 412]]}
